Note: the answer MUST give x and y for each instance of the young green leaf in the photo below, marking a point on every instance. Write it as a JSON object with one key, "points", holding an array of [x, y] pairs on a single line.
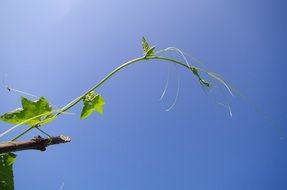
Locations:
{"points": [[6, 171], [147, 50], [150, 52], [31, 113], [145, 45], [92, 102]]}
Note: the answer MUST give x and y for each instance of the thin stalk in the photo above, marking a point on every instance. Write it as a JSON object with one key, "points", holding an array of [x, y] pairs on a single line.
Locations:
{"points": [[75, 101], [172, 60], [78, 99]]}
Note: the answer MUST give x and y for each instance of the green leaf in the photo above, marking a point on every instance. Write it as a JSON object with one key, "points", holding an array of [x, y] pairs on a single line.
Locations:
{"points": [[92, 102], [6, 171], [145, 45], [31, 113], [147, 50], [150, 52]]}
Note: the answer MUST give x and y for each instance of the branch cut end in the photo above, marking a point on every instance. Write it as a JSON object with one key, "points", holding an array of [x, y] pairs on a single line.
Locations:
{"points": [[65, 139]]}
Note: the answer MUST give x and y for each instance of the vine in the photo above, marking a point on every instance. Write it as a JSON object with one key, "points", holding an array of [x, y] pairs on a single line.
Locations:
{"points": [[39, 112]]}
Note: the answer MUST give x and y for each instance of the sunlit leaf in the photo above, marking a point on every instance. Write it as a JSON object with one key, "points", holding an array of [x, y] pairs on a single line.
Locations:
{"points": [[150, 52], [92, 102], [147, 50], [145, 45], [32, 112], [6, 171]]}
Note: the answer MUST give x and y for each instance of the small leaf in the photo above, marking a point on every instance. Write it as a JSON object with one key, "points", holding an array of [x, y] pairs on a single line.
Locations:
{"points": [[31, 113], [145, 45], [150, 52], [6, 171], [147, 50], [92, 102]]}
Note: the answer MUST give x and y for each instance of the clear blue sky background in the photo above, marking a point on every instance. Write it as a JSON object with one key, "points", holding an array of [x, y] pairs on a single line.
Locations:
{"points": [[60, 48]]}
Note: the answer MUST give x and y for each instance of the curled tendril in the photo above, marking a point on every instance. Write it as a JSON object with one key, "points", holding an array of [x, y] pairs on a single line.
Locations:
{"points": [[177, 75], [9, 88], [166, 83], [177, 93], [203, 82]]}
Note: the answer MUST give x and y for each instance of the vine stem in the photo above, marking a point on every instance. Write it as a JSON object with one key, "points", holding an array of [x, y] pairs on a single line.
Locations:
{"points": [[78, 99], [75, 101]]}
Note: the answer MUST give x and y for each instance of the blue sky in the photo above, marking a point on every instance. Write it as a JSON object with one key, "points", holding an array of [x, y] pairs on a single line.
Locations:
{"points": [[60, 48]]}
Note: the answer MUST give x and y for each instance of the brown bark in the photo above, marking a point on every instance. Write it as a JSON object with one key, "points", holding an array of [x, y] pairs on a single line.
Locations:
{"points": [[37, 143]]}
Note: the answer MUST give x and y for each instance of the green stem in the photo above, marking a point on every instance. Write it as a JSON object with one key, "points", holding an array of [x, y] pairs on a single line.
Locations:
{"points": [[171, 60], [75, 101]]}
